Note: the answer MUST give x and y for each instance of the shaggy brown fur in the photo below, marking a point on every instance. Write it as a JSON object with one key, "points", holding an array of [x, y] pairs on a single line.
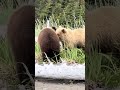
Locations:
{"points": [[103, 27], [49, 44], [21, 37], [71, 38]]}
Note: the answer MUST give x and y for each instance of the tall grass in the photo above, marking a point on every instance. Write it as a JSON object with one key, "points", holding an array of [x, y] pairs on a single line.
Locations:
{"points": [[73, 54], [7, 64], [8, 73], [99, 3], [102, 70]]}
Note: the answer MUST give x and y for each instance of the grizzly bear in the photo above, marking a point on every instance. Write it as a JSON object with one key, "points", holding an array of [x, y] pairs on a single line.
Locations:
{"points": [[71, 38], [20, 34], [103, 30], [49, 44]]}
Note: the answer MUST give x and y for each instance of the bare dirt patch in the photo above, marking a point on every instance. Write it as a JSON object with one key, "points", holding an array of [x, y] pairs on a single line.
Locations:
{"points": [[50, 84]]}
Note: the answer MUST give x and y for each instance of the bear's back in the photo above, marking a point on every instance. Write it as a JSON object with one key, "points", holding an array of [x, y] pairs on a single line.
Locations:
{"points": [[103, 20], [48, 40], [102, 25], [79, 36], [21, 38], [49, 44]]}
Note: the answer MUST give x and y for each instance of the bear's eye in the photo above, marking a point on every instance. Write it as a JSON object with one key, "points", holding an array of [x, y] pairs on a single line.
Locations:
{"points": [[58, 34], [63, 31]]}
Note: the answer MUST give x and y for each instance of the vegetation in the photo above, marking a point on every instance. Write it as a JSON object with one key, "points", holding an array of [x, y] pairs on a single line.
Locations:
{"points": [[7, 65], [62, 12], [74, 54], [102, 70]]}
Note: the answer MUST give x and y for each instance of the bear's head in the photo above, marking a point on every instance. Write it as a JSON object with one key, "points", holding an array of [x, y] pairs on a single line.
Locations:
{"points": [[62, 33]]}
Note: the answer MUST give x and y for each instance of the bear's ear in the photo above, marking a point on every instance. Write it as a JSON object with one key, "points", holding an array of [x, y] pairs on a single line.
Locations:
{"points": [[54, 28], [63, 30]]}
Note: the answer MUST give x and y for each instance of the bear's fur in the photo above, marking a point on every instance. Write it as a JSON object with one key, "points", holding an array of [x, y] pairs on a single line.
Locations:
{"points": [[103, 28], [49, 44], [71, 38], [21, 28]]}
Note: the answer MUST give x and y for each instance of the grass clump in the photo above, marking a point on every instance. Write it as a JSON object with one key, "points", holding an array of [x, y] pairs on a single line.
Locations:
{"points": [[7, 65]]}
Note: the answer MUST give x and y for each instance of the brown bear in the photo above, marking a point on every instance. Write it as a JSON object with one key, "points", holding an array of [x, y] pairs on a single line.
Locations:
{"points": [[20, 34], [71, 38], [49, 44], [103, 30]]}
